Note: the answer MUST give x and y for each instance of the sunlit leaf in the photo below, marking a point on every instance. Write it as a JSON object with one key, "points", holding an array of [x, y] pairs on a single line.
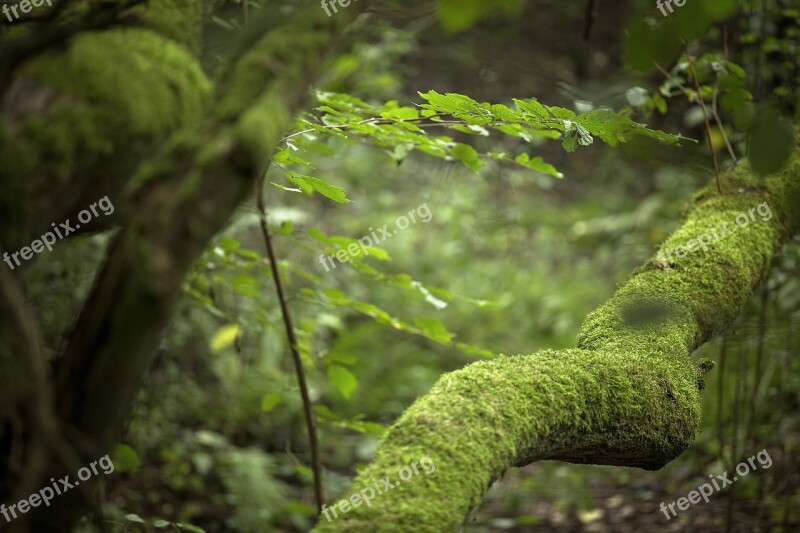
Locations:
{"points": [[576, 135], [467, 155], [342, 379], [125, 459], [310, 183], [224, 337], [538, 164], [434, 330], [457, 15]]}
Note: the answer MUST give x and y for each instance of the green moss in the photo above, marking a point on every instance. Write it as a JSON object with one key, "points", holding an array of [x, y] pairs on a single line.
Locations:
{"points": [[286, 53], [106, 90], [259, 93], [712, 283], [179, 20], [577, 405], [263, 124], [629, 395], [147, 81]]}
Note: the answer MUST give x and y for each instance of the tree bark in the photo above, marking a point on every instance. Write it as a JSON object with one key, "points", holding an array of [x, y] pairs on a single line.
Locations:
{"points": [[628, 395], [126, 113]]}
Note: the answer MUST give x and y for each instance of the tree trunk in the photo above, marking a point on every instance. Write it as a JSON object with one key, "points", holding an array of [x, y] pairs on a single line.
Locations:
{"points": [[126, 113], [627, 396]]}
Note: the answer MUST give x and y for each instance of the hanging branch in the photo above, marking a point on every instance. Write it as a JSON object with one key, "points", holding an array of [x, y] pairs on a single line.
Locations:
{"points": [[298, 363]]}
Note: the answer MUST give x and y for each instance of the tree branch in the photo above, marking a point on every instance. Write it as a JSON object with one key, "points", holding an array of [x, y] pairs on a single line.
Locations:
{"points": [[311, 427], [627, 396]]}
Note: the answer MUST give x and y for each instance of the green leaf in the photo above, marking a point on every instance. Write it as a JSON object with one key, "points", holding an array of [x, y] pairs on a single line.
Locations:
{"points": [[324, 412], [533, 108], [342, 379], [287, 156], [370, 428], [401, 151], [337, 357], [429, 297], [475, 350], [660, 103], [434, 330], [458, 15], [318, 235], [563, 114], [246, 285], [224, 23], [402, 113], [502, 112], [471, 129], [454, 104], [270, 402], [310, 183], [229, 244], [285, 188], [189, 527], [286, 228], [343, 102], [356, 424], [295, 507], [611, 127], [576, 135], [134, 518], [735, 70], [125, 459], [538, 164], [378, 253], [467, 155], [224, 337], [336, 296]]}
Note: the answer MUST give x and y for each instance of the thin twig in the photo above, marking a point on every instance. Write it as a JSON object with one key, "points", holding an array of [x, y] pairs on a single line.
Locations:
{"points": [[661, 70], [591, 17], [714, 102], [293, 345], [705, 116], [721, 127]]}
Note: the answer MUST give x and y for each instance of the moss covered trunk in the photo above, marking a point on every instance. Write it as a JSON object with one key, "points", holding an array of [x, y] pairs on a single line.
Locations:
{"points": [[627, 396], [130, 114]]}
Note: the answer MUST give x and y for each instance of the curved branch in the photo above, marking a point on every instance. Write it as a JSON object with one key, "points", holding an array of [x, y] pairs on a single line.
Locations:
{"points": [[627, 396]]}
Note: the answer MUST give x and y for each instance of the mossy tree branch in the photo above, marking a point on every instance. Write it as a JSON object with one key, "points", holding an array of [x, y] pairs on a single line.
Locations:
{"points": [[130, 114], [627, 396]]}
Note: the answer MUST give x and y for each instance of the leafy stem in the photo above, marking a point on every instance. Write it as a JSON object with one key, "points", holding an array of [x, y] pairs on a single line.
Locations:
{"points": [[293, 346]]}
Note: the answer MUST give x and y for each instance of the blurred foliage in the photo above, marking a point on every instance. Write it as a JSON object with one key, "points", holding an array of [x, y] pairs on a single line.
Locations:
{"points": [[511, 261]]}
